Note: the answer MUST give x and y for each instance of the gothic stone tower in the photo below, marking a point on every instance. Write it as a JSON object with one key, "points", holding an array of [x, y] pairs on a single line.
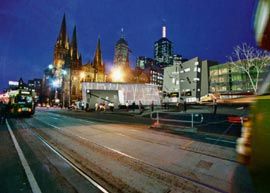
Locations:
{"points": [[75, 68], [68, 68], [98, 65], [61, 48], [68, 60]]}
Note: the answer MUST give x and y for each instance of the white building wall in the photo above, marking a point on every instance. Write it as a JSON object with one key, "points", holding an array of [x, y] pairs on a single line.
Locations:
{"points": [[126, 92], [190, 76]]}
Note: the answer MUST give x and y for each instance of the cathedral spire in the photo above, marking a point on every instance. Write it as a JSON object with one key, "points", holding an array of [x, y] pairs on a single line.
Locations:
{"points": [[63, 32], [98, 57], [73, 45], [74, 38]]}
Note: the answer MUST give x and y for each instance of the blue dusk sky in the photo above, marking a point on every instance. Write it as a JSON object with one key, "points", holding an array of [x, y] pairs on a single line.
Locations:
{"points": [[208, 29]]}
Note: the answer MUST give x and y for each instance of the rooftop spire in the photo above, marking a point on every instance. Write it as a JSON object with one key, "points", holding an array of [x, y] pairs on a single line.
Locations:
{"points": [[122, 32], [164, 31], [74, 38], [63, 31], [97, 58]]}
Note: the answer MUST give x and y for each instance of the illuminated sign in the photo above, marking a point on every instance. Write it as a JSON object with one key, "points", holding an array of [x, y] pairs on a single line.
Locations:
{"points": [[25, 92], [13, 83]]}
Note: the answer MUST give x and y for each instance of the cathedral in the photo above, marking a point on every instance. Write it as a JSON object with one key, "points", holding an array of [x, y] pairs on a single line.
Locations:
{"points": [[64, 77]]}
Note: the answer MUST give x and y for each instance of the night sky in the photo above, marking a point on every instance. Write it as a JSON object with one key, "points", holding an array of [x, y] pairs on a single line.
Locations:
{"points": [[205, 28]]}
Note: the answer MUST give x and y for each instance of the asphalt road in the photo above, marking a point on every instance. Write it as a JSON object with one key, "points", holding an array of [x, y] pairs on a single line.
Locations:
{"points": [[215, 129], [50, 171], [121, 153]]}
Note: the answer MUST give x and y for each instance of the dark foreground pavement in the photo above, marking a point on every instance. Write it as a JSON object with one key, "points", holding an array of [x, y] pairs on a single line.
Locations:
{"points": [[52, 174], [12, 175]]}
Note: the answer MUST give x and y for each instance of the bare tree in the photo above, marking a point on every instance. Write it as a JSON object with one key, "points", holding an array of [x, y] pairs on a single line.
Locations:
{"points": [[250, 60]]}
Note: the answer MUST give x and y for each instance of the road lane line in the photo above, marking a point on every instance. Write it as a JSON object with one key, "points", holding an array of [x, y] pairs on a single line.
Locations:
{"points": [[186, 145], [222, 140], [70, 163], [95, 120], [114, 150], [83, 120], [47, 123], [121, 153], [32, 181]]}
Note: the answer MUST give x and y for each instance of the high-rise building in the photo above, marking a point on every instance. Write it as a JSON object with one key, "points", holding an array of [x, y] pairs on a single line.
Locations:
{"points": [[163, 52], [121, 53]]}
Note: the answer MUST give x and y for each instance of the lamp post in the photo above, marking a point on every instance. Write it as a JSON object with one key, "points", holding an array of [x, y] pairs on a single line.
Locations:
{"points": [[50, 75], [56, 84], [64, 73]]}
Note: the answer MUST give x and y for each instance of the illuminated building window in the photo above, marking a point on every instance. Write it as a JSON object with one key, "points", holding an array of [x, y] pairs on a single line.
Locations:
{"points": [[187, 69]]}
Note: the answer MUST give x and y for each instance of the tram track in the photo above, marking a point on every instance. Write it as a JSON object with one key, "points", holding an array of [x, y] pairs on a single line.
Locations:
{"points": [[186, 146], [164, 176], [24, 128]]}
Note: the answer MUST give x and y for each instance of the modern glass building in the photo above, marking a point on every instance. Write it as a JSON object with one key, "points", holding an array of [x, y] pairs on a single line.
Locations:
{"points": [[228, 79]]}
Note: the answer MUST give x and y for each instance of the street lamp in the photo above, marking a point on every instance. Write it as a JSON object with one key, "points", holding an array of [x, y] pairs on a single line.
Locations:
{"points": [[56, 84], [63, 75], [82, 75], [64, 72], [117, 75], [50, 66]]}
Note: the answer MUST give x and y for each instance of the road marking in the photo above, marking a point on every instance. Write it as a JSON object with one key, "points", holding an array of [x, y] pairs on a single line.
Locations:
{"points": [[32, 181], [121, 153], [48, 123], [186, 145], [63, 116], [92, 118], [114, 150], [71, 164], [222, 140]]}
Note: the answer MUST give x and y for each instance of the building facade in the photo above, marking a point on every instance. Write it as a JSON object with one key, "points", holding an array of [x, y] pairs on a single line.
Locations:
{"points": [[151, 70], [186, 81], [62, 79], [36, 85], [143, 62], [228, 79], [119, 93], [121, 54]]}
